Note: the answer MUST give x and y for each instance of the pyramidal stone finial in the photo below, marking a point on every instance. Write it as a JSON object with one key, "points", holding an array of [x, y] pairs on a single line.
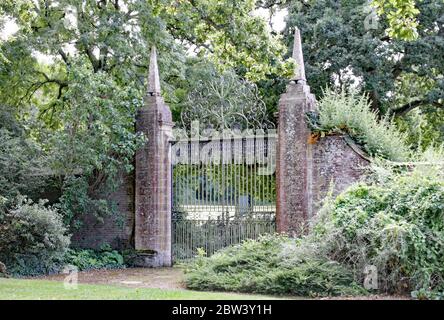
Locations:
{"points": [[153, 74], [299, 75]]}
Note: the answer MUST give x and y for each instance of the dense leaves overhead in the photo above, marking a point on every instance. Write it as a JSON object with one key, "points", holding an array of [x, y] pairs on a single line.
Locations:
{"points": [[340, 49], [401, 16], [228, 32]]}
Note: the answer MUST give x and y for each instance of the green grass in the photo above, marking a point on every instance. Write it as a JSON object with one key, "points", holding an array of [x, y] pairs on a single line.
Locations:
{"points": [[20, 289]]}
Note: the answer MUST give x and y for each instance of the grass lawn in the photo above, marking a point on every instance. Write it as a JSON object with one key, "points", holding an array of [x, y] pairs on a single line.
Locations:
{"points": [[21, 289]]}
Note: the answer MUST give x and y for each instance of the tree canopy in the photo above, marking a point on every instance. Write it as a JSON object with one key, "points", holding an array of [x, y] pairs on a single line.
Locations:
{"points": [[399, 75]]}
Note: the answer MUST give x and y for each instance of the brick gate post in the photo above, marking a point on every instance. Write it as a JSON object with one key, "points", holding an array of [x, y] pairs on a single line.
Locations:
{"points": [[294, 153], [153, 192]]}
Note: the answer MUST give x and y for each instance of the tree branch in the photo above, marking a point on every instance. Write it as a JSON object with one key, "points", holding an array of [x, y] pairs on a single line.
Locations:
{"points": [[37, 85], [414, 104], [64, 56]]}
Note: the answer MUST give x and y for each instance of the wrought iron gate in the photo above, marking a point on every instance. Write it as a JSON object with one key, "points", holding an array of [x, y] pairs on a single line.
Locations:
{"points": [[224, 197]]}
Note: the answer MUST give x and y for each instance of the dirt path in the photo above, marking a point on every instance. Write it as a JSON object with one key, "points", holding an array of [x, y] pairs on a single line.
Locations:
{"points": [[163, 278]]}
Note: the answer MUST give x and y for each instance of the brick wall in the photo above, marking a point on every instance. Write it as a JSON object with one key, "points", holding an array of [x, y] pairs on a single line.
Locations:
{"points": [[335, 164], [115, 230]]}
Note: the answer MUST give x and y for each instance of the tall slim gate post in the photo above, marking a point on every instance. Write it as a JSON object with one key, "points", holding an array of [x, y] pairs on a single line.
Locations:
{"points": [[153, 192], [294, 153]]}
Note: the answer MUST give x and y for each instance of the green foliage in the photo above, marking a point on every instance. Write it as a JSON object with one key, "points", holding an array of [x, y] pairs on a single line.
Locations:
{"points": [[347, 112], [20, 159], [87, 259], [422, 129], [77, 200], [395, 223], [424, 126], [424, 294], [264, 266], [339, 50], [33, 239], [401, 16], [228, 34], [113, 37], [98, 124], [96, 143]]}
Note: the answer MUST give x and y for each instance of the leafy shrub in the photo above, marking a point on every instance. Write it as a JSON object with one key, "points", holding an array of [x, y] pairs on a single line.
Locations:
{"points": [[76, 200], [33, 239], [264, 266], [21, 162], [395, 223], [87, 259], [347, 113]]}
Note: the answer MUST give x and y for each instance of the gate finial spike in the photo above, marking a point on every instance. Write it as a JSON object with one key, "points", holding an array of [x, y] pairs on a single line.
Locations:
{"points": [[153, 74], [299, 74]]}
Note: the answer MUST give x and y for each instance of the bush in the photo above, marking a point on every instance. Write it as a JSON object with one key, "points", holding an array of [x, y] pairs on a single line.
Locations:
{"points": [[395, 223], [87, 259], [348, 113], [264, 266], [33, 239]]}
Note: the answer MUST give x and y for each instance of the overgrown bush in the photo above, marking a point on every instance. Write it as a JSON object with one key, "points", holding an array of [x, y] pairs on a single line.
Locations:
{"points": [[263, 266], [395, 223], [33, 239], [348, 113], [87, 259]]}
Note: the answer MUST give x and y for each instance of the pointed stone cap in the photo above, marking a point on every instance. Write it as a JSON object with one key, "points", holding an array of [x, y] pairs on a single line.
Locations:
{"points": [[299, 75], [153, 75]]}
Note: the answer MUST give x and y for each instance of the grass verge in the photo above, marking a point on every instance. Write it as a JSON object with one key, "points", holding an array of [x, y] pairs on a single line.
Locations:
{"points": [[20, 289]]}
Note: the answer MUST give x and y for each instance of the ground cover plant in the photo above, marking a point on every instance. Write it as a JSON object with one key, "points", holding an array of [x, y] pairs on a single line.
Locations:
{"points": [[263, 266], [87, 259], [73, 77]]}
